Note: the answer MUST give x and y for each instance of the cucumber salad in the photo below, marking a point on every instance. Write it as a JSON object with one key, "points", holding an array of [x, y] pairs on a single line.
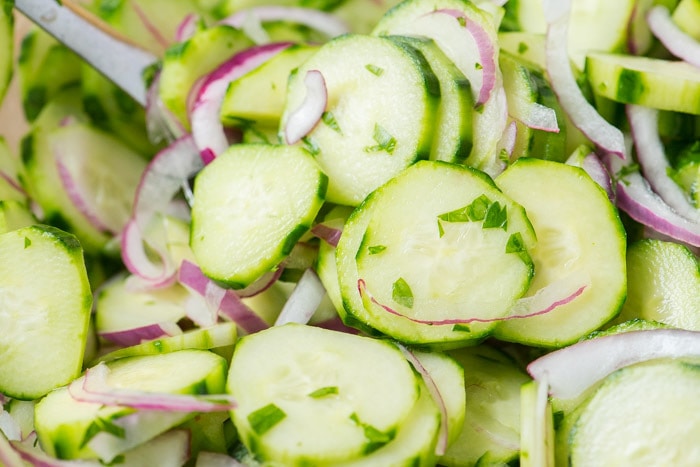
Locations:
{"points": [[356, 233]]}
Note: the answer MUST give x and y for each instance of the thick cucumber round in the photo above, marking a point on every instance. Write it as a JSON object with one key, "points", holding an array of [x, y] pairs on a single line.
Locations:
{"points": [[69, 429], [620, 424], [651, 82], [252, 204], [379, 118], [663, 284], [310, 396], [440, 266], [45, 302], [453, 137], [581, 243]]}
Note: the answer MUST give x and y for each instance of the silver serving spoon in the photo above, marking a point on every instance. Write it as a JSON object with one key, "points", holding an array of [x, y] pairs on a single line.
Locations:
{"points": [[112, 54]]}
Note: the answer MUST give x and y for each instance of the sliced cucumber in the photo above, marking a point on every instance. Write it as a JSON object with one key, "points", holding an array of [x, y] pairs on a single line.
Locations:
{"points": [[185, 62], [6, 37], [453, 137], [219, 335], [362, 16], [491, 431], [312, 396], [69, 429], [45, 67], [253, 203], [419, 18], [526, 46], [584, 245], [536, 426], [268, 83], [620, 423], [651, 82], [15, 215], [663, 284], [382, 97], [45, 302], [687, 16], [443, 271], [10, 168]]}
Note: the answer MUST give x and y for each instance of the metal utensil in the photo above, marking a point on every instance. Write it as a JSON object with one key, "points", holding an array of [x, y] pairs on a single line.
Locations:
{"points": [[106, 50]]}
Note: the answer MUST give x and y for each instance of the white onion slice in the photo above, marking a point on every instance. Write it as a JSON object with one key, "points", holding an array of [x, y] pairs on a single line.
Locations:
{"points": [[595, 169], [672, 37], [326, 23], [572, 370], [133, 336], [605, 136], [161, 123], [9, 426], [414, 360], [535, 115], [303, 301], [93, 387], [638, 200], [207, 129], [651, 156], [304, 118]]}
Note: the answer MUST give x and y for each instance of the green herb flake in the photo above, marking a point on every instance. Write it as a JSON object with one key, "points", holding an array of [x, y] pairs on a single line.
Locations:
{"points": [[462, 21], [401, 293], [478, 66], [311, 145], [324, 391], [329, 119], [376, 438], [374, 69], [515, 243], [522, 48], [375, 249], [265, 418], [441, 229], [461, 328], [496, 217], [27, 242], [385, 142]]}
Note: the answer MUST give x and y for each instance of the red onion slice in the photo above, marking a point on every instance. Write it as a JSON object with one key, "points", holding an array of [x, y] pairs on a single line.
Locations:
{"points": [[672, 37], [572, 370], [229, 303], [9, 456], [595, 169], [638, 200], [651, 156], [328, 234], [93, 387], [305, 117], [414, 360], [165, 175], [133, 336], [605, 136], [187, 27], [303, 301], [545, 300], [207, 130], [79, 199], [326, 23]]}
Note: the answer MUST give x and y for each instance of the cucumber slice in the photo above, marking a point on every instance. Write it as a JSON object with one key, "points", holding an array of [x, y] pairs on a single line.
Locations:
{"points": [[268, 83], [687, 16], [6, 37], [381, 102], [586, 244], [526, 46], [253, 203], [311, 396], [69, 429], [45, 67], [663, 284], [651, 82], [44, 312], [10, 186], [524, 15], [619, 424], [453, 137], [184, 63], [536, 426], [15, 215], [491, 431], [119, 308], [443, 272], [219, 335]]}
